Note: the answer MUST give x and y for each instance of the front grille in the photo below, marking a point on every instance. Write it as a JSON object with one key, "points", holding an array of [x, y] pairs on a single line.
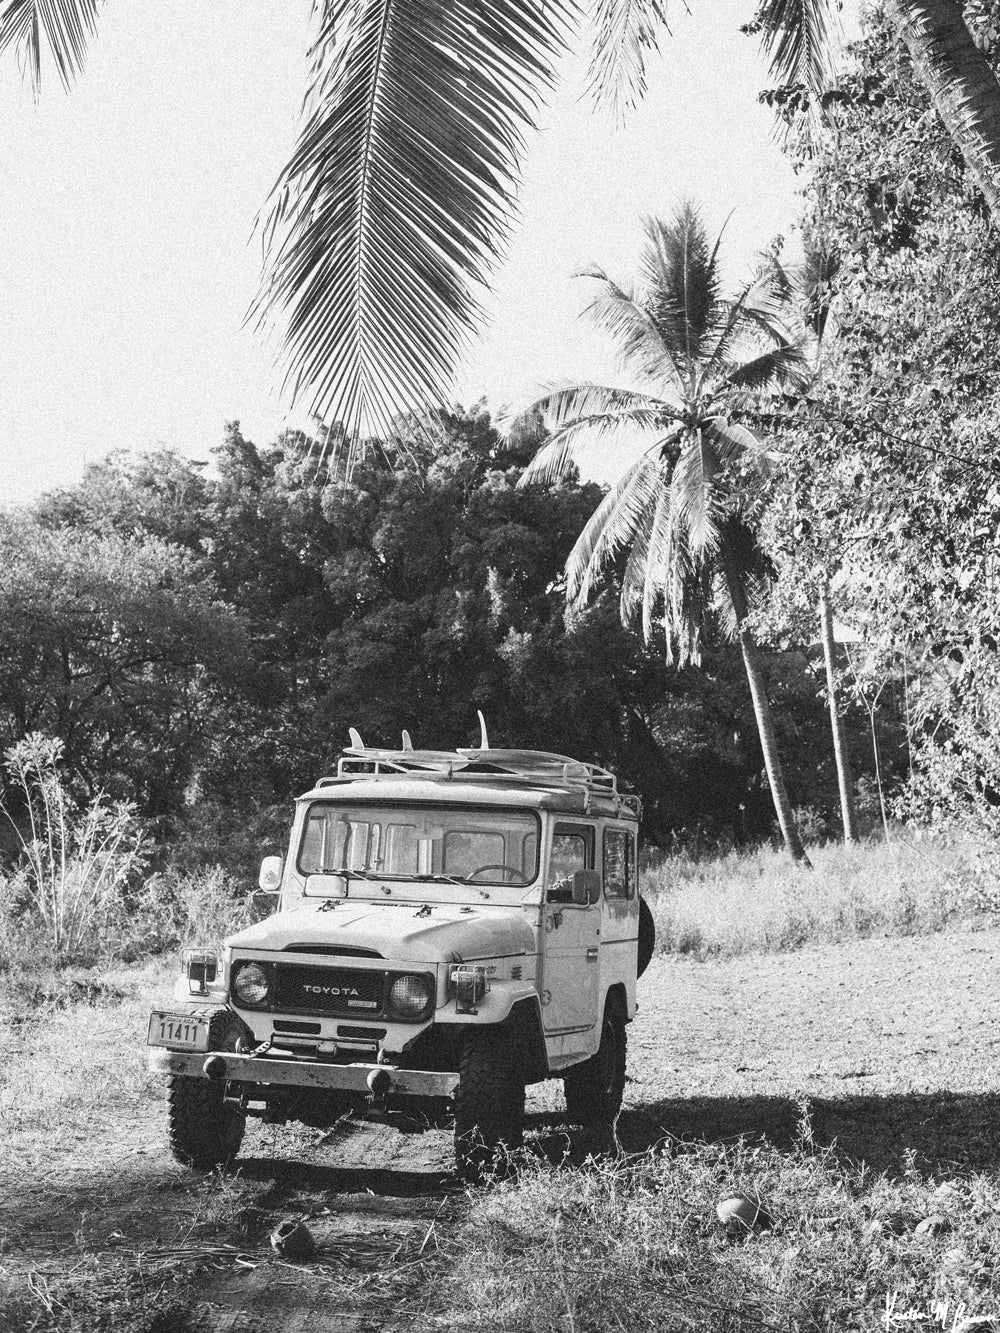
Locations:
{"points": [[328, 990]]}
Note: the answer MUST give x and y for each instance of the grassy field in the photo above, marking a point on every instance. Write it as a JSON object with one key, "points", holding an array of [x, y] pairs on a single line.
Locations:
{"points": [[712, 907]]}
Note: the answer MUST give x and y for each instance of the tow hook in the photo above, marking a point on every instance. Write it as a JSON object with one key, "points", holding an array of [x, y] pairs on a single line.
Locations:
{"points": [[214, 1067], [379, 1082]]}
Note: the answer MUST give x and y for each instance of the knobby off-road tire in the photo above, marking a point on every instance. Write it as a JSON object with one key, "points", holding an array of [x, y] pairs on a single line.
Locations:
{"points": [[205, 1130], [489, 1104], [595, 1088]]}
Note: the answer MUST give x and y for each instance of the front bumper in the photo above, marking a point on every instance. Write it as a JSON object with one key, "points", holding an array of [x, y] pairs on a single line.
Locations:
{"points": [[252, 1071]]}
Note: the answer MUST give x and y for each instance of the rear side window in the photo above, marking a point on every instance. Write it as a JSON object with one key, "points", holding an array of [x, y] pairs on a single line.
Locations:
{"points": [[619, 863]]}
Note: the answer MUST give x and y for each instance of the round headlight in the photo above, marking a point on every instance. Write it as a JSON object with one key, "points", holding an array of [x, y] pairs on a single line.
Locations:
{"points": [[409, 997], [252, 983]]}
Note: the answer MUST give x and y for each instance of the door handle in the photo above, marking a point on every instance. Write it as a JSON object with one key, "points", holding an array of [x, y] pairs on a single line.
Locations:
{"points": [[592, 954]]}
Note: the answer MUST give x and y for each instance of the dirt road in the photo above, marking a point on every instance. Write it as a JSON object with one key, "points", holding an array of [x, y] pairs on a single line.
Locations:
{"points": [[886, 1046]]}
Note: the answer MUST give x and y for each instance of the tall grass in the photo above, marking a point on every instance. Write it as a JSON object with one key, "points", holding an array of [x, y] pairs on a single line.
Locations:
{"points": [[746, 902], [77, 860]]}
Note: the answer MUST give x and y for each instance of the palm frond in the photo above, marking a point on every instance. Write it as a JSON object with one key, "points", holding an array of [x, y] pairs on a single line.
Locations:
{"points": [[782, 365], [730, 441], [693, 483], [681, 275], [625, 32], [63, 27], [641, 344], [801, 39], [762, 308], [581, 414], [612, 526], [636, 569], [400, 194], [661, 567]]}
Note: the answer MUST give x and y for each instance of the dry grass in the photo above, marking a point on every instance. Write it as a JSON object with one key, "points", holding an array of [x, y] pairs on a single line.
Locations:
{"points": [[635, 1245], [761, 902]]}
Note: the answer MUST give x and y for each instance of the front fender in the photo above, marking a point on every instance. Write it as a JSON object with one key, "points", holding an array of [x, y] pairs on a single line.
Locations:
{"points": [[493, 1008], [517, 1009]]}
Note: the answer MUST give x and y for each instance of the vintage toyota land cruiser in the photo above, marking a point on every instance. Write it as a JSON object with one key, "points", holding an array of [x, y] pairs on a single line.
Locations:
{"points": [[451, 926]]}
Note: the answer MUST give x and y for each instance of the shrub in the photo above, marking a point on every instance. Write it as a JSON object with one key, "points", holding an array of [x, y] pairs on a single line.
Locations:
{"points": [[78, 861], [174, 911]]}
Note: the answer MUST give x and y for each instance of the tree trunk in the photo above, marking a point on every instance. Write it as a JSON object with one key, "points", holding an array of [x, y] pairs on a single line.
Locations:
{"points": [[962, 86], [772, 763], [844, 777]]}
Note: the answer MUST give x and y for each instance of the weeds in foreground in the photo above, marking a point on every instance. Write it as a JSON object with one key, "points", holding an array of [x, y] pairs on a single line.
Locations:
{"points": [[636, 1245], [757, 902]]}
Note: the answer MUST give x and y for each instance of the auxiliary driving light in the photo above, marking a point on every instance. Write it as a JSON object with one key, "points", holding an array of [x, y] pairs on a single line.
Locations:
{"points": [[201, 967], [410, 996], [470, 985], [252, 984]]}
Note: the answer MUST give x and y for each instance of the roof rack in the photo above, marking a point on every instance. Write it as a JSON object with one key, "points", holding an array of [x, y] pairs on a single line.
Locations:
{"points": [[534, 768]]}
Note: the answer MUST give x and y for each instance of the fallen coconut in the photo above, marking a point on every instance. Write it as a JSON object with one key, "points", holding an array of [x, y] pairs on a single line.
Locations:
{"points": [[292, 1240], [741, 1214]]}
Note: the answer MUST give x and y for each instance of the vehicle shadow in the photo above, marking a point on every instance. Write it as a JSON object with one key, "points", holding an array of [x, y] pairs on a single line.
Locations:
{"points": [[942, 1133]]}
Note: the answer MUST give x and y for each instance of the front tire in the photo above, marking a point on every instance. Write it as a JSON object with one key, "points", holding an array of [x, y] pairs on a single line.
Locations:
{"points": [[595, 1088], [205, 1130], [489, 1103]]}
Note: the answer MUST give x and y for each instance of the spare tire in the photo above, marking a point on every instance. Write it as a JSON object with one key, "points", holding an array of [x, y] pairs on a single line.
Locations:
{"points": [[647, 937]]}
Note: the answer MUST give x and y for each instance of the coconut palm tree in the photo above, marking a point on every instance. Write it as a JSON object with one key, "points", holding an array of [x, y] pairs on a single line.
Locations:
{"points": [[399, 197], [680, 521]]}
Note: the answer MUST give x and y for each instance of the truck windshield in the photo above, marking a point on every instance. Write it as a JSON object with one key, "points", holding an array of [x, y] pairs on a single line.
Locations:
{"points": [[481, 846]]}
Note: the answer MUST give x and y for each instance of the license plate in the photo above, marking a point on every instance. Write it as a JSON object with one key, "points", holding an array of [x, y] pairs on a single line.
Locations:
{"points": [[178, 1032]]}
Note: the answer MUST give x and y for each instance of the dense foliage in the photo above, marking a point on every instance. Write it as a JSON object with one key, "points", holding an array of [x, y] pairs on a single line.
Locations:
{"points": [[894, 478], [202, 639]]}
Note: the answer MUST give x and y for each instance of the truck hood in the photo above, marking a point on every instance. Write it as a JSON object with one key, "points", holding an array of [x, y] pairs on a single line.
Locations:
{"points": [[397, 931]]}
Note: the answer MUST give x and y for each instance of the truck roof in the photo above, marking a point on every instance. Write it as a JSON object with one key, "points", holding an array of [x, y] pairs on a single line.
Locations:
{"points": [[525, 779]]}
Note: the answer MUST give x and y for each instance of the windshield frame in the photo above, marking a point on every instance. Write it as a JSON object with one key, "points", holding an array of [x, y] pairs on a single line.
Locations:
{"points": [[441, 878]]}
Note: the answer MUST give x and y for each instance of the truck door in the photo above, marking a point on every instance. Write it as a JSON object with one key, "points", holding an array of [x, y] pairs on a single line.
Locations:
{"points": [[572, 936], [620, 928]]}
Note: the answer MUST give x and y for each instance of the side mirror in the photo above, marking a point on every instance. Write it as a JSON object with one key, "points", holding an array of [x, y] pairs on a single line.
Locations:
{"points": [[269, 878], [586, 887]]}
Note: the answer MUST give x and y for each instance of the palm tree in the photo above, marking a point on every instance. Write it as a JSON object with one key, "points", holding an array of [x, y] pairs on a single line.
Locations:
{"points": [[680, 520], [399, 197]]}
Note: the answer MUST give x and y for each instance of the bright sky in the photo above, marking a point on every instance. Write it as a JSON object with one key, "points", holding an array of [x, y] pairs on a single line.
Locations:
{"points": [[127, 208]]}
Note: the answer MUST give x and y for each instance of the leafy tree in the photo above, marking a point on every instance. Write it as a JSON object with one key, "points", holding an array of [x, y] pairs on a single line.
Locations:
{"points": [[429, 585], [684, 511], [893, 462], [108, 642]]}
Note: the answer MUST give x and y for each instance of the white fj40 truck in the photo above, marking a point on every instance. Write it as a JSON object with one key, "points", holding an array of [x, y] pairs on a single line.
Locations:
{"points": [[449, 926]]}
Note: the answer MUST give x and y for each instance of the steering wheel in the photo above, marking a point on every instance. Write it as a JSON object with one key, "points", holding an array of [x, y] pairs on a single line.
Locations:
{"points": [[505, 870]]}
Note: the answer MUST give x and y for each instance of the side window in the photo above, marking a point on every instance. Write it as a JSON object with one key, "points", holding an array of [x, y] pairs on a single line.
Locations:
{"points": [[619, 864], [572, 849]]}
